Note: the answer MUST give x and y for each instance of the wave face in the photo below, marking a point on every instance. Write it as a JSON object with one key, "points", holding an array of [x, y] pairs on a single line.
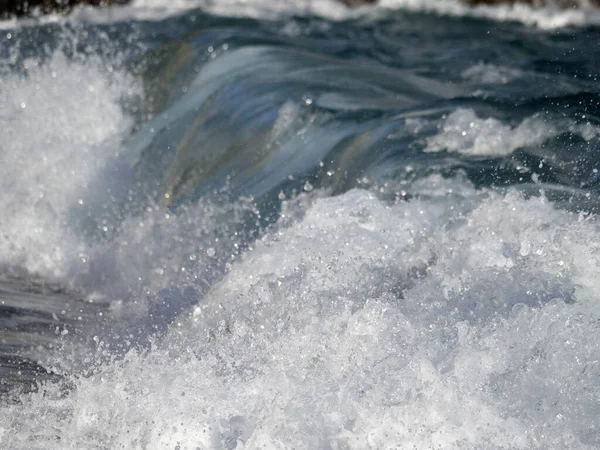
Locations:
{"points": [[288, 231]]}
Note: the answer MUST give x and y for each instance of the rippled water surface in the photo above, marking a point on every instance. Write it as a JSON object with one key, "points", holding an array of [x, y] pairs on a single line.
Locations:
{"points": [[240, 225]]}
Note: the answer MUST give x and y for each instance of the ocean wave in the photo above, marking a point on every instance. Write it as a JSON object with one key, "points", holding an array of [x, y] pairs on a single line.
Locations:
{"points": [[306, 233]]}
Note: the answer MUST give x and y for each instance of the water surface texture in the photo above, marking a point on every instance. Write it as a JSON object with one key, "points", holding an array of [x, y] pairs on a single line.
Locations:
{"points": [[243, 225]]}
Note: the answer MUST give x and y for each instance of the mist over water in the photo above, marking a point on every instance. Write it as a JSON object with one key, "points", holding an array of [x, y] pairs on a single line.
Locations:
{"points": [[240, 226]]}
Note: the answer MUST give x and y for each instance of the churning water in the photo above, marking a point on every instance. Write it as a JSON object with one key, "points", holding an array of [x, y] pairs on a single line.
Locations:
{"points": [[277, 225]]}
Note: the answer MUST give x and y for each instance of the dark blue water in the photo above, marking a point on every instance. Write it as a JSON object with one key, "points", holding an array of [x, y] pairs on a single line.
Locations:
{"points": [[298, 232]]}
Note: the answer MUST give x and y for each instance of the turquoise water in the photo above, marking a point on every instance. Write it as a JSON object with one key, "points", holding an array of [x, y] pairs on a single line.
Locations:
{"points": [[243, 226]]}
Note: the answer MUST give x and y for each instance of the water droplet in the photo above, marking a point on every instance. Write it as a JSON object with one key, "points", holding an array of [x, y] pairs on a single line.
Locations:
{"points": [[525, 248]]}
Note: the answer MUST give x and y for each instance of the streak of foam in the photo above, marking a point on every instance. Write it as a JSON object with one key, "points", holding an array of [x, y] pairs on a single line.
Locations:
{"points": [[462, 131], [544, 17], [491, 74]]}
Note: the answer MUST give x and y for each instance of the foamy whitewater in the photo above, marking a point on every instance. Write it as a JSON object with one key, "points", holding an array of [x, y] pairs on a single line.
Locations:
{"points": [[235, 225]]}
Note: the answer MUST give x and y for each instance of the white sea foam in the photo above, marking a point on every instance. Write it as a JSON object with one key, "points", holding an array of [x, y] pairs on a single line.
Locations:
{"points": [[545, 17], [61, 122], [63, 175], [462, 131], [450, 321]]}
